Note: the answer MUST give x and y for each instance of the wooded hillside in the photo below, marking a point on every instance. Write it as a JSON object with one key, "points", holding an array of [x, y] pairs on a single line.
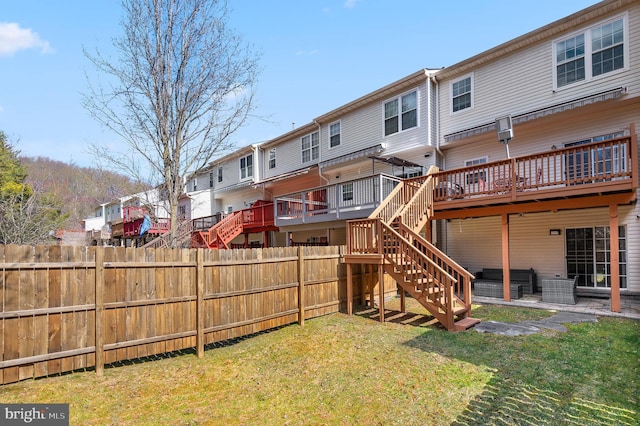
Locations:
{"points": [[79, 189]]}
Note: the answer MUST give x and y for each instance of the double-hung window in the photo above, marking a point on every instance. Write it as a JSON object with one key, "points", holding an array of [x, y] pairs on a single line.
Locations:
{"points": [[462, 94], [210, 179], [310, 147], [272, 158], [219, 174], [334, 134], [596, 51], [246, 167], [401, 113]]}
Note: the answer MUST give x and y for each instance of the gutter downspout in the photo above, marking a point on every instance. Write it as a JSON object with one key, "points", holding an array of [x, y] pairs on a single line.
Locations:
{"points": [[320, 175], [438, 150], [444, 226]]}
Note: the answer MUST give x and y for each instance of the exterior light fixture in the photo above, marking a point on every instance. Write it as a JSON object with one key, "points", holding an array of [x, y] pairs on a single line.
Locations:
{"points": [[554, 232], [504, 127]]}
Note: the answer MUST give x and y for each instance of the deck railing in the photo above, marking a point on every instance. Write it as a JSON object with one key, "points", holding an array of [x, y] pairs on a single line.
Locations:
{"points": [[609, 161], [345, 200]]}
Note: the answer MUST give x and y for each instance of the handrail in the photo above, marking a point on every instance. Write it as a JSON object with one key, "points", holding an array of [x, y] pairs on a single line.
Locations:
{"points": [[439, 257], [226, 227], [603, 161], [420, 207]]}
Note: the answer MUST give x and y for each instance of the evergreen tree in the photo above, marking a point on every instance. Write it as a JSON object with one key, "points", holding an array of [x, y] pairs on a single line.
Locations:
{"points": [[26, 217]]}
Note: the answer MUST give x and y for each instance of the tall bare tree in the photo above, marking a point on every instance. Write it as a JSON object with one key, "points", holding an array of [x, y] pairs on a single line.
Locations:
{"points": [[182, 85]]}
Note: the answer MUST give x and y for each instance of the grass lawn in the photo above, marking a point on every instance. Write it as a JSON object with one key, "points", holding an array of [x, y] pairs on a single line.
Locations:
{"points": [[353, 370]]}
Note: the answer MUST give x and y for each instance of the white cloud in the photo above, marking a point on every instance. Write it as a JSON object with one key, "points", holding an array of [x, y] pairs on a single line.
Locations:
{"points": [[350, 4], [13, 39]]}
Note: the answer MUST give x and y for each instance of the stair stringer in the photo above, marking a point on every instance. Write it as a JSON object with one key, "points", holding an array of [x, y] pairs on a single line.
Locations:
{"points": [[412, 288]]}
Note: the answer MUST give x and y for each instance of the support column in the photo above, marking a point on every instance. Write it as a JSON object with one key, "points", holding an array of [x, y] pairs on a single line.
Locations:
{"points": [[614, 249], [380, 291], [349, 290], [506, 276]]}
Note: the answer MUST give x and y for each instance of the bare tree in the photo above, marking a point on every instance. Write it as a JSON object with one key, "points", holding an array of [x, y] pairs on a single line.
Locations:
{"points": [[182, 85]]}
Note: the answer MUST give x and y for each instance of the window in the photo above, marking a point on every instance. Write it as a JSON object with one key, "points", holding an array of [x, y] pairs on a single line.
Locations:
{"points": [[219, 174], [246, 167], [195, 184], [210, 179], [475, 176], [272, 158], [310, 147], [347, 191], [401, 113], [589, 256], [592, 162], [461, 91], [594, 52], [334, 134]]}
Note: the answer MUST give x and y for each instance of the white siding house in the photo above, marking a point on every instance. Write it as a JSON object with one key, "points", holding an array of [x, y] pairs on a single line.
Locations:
{"points": [[574, 81]]}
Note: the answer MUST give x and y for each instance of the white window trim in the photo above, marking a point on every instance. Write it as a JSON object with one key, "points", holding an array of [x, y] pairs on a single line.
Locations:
{"points": [[588, 53], [399, 99], [248, 176], [219, 175], [272, 158], [451, 83], [302, 150], [339, 122]]}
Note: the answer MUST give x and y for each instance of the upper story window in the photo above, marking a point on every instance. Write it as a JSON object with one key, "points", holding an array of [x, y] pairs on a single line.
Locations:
{"points": [[246, 167], [462, 94], [195, 184], [219, 174], [334, 134], [401, 113], [310, 147], [272, 158], [593, 52], [210, 179]]}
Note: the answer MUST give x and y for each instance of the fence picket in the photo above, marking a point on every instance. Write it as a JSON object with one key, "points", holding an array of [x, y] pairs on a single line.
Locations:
{"points": [[67, 308]]}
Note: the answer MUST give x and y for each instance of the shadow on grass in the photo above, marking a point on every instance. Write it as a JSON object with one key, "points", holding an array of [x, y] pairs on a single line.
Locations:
{"points": [[536, 381], [506, 403]]}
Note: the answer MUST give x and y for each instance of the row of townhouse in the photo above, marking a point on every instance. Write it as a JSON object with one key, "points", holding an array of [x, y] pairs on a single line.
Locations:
{"points": [[555, 190], [107, 225]]}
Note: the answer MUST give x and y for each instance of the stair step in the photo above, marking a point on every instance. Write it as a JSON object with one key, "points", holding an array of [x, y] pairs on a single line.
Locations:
{"points": [[465, 323], [458, 310]]}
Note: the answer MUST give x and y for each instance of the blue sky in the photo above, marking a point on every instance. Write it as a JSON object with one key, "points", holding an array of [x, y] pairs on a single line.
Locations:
{"points": [[316, 56]]}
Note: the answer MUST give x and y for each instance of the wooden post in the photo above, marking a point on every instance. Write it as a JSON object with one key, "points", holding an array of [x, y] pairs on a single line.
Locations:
{"points": [[506, 275], [200, 303], [614, 249], [380, 291], [99, 311], [403, 306], [349, 290], [301, 295]]}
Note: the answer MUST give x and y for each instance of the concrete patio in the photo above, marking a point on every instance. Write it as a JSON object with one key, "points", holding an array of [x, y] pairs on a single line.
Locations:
{"points": [[630, 305]]}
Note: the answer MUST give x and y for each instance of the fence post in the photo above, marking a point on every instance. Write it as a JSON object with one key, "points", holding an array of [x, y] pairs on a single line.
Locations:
{"points": [[300, 286], [99, 311], [200, 303]]}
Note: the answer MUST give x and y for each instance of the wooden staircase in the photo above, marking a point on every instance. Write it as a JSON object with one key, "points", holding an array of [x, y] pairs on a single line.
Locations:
{"points": [[183, 237], [390, 237], [220, 235]]}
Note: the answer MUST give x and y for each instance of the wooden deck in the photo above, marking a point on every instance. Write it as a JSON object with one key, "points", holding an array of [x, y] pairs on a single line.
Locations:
{"points": [[590, 175]]}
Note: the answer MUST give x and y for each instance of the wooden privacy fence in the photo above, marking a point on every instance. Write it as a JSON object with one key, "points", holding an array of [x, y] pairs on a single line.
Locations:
{"points": [[73, 308]]}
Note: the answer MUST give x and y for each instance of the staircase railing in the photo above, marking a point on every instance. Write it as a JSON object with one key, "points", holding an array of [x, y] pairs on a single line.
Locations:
{"points": [[462, 276], [221, 234], [183, 234], [415, 271], [429, 275], [419, 208]]}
